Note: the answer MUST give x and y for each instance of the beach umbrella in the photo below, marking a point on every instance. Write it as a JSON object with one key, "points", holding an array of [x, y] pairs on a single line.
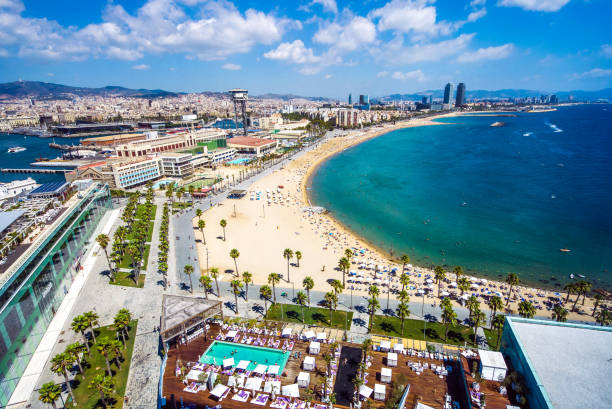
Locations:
{"points": [[445, 293], [429, 281]]}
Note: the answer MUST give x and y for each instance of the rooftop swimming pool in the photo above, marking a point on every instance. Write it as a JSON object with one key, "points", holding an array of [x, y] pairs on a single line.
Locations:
{"points": [[219, 350], [239, 161]]}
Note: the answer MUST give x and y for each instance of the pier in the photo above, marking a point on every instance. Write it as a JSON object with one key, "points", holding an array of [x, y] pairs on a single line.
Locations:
{"points": [[9, 170]]}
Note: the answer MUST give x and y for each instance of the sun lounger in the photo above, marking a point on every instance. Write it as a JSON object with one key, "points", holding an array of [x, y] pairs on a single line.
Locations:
{"points": [[261, 399]]}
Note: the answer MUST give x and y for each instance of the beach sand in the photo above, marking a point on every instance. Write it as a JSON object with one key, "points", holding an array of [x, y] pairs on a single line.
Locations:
{"points": [[261, 231]]}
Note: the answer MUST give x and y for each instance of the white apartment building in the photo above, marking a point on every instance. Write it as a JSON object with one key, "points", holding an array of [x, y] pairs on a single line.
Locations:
{"points": [[177, 164], [133, 174], [16, 187], [221, 155]]}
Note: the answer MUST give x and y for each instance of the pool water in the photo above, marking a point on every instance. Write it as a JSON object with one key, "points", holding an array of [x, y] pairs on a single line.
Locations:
{"points": [[239, 161], [218, 351]]}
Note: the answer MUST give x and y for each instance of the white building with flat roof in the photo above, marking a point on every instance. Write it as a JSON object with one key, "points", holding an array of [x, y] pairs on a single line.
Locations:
{"points": [[16, 187]]}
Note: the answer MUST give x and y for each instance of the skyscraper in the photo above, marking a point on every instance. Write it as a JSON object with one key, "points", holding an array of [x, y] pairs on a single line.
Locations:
{"points": [[364, 99], [350, 99], [460, 100], [448, 93]]}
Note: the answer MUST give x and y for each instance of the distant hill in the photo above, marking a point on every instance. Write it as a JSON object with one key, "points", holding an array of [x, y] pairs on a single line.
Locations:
{"points": [[287, 97], [45, 90], [507, 93]]}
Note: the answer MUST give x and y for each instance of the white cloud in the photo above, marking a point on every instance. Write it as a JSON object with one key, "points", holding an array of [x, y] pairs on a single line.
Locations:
{"points": [[310, 70], [3, 52], [410, 16], [594, 73], [475, 3], [535, 5], [489, 53], [358, 32], [159, 26], [328, 76], [382, 74], [141, 67], [416, 75], [476, 15], [294, 52], [231, 67], [329, 5], [399, 53], [606, 50], [50, 74]]}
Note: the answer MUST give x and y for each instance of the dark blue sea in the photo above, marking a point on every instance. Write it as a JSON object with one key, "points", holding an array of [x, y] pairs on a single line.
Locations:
{"points": [[491, 199], [36, 148]]}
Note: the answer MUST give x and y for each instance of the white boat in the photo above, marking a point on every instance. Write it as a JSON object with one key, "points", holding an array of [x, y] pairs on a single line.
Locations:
{"points": [[16, 149]]}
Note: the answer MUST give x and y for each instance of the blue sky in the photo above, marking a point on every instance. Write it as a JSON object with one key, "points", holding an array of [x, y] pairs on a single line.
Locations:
{"points": [[309, 47]]}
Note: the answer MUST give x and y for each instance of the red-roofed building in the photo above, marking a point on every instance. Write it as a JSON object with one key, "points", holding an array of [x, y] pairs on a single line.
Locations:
{"points": [[255, 146]]}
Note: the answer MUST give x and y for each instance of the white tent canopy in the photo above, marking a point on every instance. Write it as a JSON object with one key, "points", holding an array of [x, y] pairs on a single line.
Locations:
{"points": [[398, 347], [219, 390], [321, 336], [309, 363], [309, 335], [314, 347], [272, 386], [229, 362], [232, 334], [365, 391], [380, 391], [385, 375], [287, 332], [253, 384], [303, 379], [260, 369], [392, 359], [291, 390], [493, 365], [385, 345], [273, 369], [243, 365]]}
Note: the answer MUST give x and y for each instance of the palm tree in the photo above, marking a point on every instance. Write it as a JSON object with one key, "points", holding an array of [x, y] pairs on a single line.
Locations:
{"points": [[122, 324], [75, 350], [512, 280], [298, 257], [570, 288], [603, 317], [403, 312], [559, 313], [458, 270], [201, 226], [92, 320], [439, 275], [234, 253], [308, 284], [80, 325], [206, 282], [273, 278], [236, 287], [288, 254], [526, 309], [348, 253], [463, 284], [102, 384], [585, 287], [495, 304], [331, 300], [265, 292], [116, 347], [300, 299], [223, 224], [247, 278], [365, 347], [598, 298], [449, 318], [404, 281], [61, 364], [373, 305], [473, 305], [478, 319], [188, 269], [405, 260], [214, 273], [105, 348], [103, 240], [337, 286], [199, 213], [49, 393], [191, 190], [344, 265], [498, 324]]}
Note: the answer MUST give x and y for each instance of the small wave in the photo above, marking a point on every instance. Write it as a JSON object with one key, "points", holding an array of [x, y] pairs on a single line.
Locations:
{"points": [[554, 127], [528, 134]]}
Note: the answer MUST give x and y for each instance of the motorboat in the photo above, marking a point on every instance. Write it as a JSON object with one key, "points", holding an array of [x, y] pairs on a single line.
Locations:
{"points": [[16, 149]]}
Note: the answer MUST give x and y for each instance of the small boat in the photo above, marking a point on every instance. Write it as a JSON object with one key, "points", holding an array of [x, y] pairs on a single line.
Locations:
{"points": [[571, 276], [581, 275], [16, 149], [564, 250]]}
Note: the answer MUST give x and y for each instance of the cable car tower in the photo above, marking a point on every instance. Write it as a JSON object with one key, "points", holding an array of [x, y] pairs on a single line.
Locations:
{"points": [[240, 97]]}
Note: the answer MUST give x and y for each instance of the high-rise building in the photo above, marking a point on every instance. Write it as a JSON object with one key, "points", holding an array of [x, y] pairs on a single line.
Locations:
{"points": [[350, 99], [424, 100], [460, 100], [448, 93], [364, 99]]}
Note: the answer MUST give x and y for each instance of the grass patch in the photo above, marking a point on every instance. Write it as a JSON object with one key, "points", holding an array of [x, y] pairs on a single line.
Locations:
{"points": [[87, 398], [126, 279], [181, 205], [199, 184], [127, 260], [312, 316], [140, 210], [149, 236], [457, 335]]}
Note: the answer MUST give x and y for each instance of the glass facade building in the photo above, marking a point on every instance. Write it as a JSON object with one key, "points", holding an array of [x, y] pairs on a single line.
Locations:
{"points": [[34, 286]]}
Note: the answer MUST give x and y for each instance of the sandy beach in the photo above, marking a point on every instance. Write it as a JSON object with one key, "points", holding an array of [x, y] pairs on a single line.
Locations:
{"points": [[275, 215]]}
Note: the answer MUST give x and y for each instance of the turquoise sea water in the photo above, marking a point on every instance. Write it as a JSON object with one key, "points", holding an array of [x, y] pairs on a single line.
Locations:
{"points": [[491, 199], [218, 351]]}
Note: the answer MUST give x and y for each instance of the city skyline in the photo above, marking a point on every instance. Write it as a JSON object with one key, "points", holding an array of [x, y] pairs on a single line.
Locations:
{"points": [[317, 48]]}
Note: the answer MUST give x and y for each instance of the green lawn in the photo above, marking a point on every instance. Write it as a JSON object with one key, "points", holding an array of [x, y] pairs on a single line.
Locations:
{"points": [[126, 279], [181, 205], [457, 335], [130, 235], [127, 260], [199, 184], [95, 364], [312, 316], [141, 209]]}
